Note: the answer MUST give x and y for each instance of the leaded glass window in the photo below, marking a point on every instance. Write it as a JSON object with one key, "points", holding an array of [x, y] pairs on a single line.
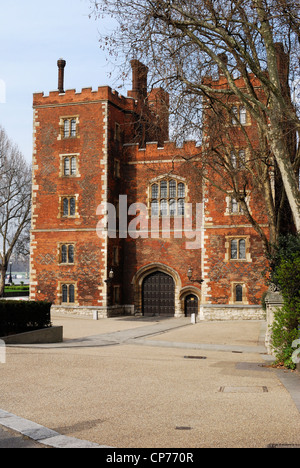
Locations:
{"points": [[167, 198]]}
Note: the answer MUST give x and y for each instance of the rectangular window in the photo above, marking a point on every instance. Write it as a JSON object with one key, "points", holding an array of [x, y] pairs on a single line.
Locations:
{"points": [[238, 293], [68, 207], [67, 254], [68, 293], [69, 127], [238, 249], [234, 207], [239, 115], [69, 165]]}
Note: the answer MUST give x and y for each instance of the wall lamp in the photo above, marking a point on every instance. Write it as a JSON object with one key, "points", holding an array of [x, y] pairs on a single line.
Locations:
{"points": [[190, 276], [111, 275]]}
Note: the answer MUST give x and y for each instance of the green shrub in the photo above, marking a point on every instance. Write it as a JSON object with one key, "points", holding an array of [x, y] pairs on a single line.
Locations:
{"points": [[285, 328], [22, 316]]}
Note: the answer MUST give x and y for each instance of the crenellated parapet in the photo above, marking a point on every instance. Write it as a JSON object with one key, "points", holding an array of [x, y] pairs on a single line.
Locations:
{"points": [[86, 95], [169, 151]]}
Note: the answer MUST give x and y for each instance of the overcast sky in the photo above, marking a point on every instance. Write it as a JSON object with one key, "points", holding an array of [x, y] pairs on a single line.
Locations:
{"points": [[34, 34]]}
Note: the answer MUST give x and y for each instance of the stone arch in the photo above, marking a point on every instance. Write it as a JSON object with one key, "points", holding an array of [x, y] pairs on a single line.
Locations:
{"points": [[186, 291], [147, 270]]}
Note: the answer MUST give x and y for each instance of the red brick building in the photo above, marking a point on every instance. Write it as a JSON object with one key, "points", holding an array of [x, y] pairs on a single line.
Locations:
{"points": [[122, 217]]}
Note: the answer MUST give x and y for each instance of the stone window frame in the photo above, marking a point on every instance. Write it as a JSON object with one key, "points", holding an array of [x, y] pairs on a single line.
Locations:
{"points": [[61, 284], [244, 300], [237, 111], [228, 241], [61, 206], [60, 254], [229, 205], [239, 158], [62, 121], [63, 157], [168, 198]]}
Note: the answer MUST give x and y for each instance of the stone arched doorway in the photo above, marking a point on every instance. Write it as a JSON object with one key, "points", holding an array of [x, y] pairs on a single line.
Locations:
{"points": [[191, 305], [170, 275], [158, 294]]}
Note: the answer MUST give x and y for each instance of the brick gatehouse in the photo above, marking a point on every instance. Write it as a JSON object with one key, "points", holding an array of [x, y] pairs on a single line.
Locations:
{"points": [[122, 217]]}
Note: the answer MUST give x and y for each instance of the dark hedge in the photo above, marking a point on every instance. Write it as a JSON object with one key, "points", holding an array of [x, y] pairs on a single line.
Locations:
{"points": [[23, 316]]}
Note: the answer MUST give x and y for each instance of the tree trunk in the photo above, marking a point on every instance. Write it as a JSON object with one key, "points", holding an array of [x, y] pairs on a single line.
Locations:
{"points": [[285, 166], [3, 269]]}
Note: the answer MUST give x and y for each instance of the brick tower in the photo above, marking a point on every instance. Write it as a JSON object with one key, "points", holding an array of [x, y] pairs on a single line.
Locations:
{"points": [[174, 245]]}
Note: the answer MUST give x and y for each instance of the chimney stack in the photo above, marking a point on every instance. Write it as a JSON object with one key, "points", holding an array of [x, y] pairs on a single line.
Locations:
{"points": [[61, 66], [139, 80]]}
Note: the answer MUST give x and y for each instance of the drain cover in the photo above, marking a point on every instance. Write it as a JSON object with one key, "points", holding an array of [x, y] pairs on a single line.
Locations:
{"points": [[195, 357], [243, 389], [183, 428]]}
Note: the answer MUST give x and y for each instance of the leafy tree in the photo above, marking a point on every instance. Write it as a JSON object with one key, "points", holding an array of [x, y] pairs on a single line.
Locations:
{"points": [[286, 274]]}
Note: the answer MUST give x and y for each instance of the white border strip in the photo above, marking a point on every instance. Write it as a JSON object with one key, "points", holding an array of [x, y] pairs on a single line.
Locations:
{"points": [[41, 434]]}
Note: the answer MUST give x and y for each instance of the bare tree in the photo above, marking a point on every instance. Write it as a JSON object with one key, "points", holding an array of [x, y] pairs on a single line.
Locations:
{"points": [[183, 42], [15, 202]]}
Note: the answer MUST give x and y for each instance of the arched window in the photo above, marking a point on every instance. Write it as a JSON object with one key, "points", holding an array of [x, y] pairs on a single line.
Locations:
{"points": [[239, 293], [167, 198]]}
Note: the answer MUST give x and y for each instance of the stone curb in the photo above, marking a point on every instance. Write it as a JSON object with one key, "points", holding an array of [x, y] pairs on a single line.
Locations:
{"points": [[41, 434]]}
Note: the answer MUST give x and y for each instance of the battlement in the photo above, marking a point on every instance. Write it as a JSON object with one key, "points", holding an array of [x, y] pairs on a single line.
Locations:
{"points": [[86, 95], [152, 151]]}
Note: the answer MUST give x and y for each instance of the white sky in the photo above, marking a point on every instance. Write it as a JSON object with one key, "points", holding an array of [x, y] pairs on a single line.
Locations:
{"points": [[34, 34]]}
